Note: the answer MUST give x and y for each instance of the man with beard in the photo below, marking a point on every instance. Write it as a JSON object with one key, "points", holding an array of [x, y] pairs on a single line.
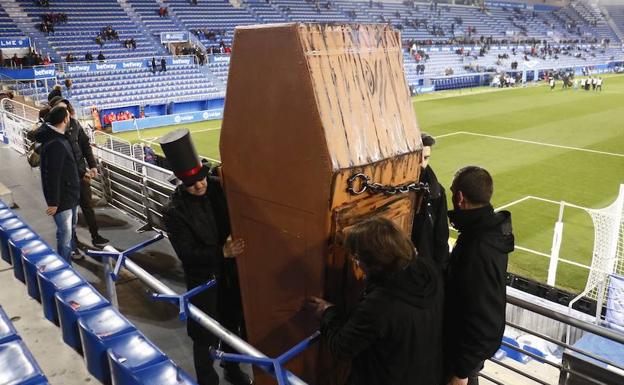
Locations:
{"points": [[474, 312], [430, 231]]}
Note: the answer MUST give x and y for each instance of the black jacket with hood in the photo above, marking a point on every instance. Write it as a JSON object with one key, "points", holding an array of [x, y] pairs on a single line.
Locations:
{"points": [[476, 288], [430, 232], [59, 173], [394, 334]]}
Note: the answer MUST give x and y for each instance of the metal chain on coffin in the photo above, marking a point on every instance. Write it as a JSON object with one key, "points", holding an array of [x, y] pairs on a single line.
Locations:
{"points": [[376, 188]]}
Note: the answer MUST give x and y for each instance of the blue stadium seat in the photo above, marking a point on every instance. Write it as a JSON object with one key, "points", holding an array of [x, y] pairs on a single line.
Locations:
{"points": [[99, 329], [130, 354], [7, 330], [163, 373], [8, 227], [39, 262], [27, 247], [17, 365], [51, 282], [70, 304]]}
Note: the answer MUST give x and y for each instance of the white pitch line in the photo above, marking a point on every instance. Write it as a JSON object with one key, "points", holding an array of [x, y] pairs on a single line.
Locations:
{"points": [[559, 202], [545, 144], [548, 256], [449, 134], [513, 203], [206, 129]]}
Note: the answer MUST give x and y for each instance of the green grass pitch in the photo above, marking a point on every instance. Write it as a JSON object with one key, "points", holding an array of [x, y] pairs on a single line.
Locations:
{"points": [[553, 145]]}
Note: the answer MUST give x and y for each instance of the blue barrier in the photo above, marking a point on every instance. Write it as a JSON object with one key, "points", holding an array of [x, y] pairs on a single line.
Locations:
{"points": [[274, 366], [167, 120], [38, 72]]}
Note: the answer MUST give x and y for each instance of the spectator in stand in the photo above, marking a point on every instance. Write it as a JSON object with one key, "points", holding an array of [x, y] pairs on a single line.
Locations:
{"points": [[47, 60], [101, 57], [15, 61], [56, 91], [99, 41], [88, 56], [68, 85], [163, 64], [193, 2], [59, 178], [69, 58], [153, 65]]}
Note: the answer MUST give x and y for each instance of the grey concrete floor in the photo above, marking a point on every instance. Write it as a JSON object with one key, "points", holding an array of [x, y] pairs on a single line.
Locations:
{"points": [[158, 321]]}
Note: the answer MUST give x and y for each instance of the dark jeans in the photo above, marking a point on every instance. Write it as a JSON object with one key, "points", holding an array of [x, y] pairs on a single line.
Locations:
{"points": [[87, 207], [223, 303]]}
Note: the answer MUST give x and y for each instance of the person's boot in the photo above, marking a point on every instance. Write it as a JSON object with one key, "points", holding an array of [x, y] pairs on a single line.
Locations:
{"points": [[233, 374], [99, 241]]}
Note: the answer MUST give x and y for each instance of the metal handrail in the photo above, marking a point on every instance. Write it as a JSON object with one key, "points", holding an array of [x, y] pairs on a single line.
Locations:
{"points": [[198, 315], [565, 318]]}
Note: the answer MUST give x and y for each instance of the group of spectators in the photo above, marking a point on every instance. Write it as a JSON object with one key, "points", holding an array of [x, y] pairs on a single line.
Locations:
{"points": [[67, 166], [50, 20], [130, 43], [163, 65], [107, 33], [33, 58], [209, 34], [121, 115]]}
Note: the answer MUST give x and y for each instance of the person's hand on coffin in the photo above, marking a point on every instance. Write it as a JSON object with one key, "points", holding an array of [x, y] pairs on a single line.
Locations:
{"points": [[233, 248], [317, 306]]}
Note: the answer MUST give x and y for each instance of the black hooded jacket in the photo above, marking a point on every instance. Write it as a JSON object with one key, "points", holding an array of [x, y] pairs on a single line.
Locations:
{"points": [[394, 334], [59, 174], [430, 232], [476, 288]]}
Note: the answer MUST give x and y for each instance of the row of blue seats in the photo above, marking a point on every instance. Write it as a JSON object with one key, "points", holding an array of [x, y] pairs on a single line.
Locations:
{"points": [[17, 364], [114, 350]]}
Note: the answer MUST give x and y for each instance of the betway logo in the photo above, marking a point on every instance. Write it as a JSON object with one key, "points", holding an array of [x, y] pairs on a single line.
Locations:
{"points": [[180, 61], [44, 72], [79, 68], [186, 118], [105, 66], [132, 64]]}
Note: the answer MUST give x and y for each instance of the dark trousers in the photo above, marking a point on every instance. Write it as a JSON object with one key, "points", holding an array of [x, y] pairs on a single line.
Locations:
{"points": [[87, 207], [223, 303]]}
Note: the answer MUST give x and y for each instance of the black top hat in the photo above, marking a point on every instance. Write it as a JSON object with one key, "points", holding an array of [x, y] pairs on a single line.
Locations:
{"points": [[180, 152]]}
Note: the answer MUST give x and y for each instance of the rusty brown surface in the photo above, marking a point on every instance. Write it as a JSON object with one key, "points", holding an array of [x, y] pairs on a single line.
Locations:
{"points": [[308, 106]]}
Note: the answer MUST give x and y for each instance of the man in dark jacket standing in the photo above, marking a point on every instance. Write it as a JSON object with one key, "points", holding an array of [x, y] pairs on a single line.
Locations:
{"points": [[430, 230], [87, 169], [198, 226], [59, 178], [393, 336], [474, 317]]}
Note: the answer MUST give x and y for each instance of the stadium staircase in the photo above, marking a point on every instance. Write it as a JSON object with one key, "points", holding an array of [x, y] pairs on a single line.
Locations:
{"points": [[615, 16]]}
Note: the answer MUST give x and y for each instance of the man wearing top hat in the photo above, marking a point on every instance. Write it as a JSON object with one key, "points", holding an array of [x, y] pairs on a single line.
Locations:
{"points": [[198, 226], [430, 230]]}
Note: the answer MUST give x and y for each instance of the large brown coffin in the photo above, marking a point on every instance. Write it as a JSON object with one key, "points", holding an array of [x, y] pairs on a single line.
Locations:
{"points": [[307, 107]]}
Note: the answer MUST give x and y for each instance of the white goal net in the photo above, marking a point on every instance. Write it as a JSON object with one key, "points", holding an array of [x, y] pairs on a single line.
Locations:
{"points": [[608, 253]]}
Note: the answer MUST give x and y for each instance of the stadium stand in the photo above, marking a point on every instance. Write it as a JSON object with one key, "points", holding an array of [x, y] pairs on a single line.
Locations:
{"points": [[133, 86], [7, 27], [580, 32], [85, 20]]}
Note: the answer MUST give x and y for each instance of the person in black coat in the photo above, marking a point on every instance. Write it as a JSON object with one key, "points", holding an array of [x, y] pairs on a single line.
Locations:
{"points": [[87, 168], [59, 178], [56, 91], [476, 278], [197, 222], [163, 65], [393, 336], [430, 230]]}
